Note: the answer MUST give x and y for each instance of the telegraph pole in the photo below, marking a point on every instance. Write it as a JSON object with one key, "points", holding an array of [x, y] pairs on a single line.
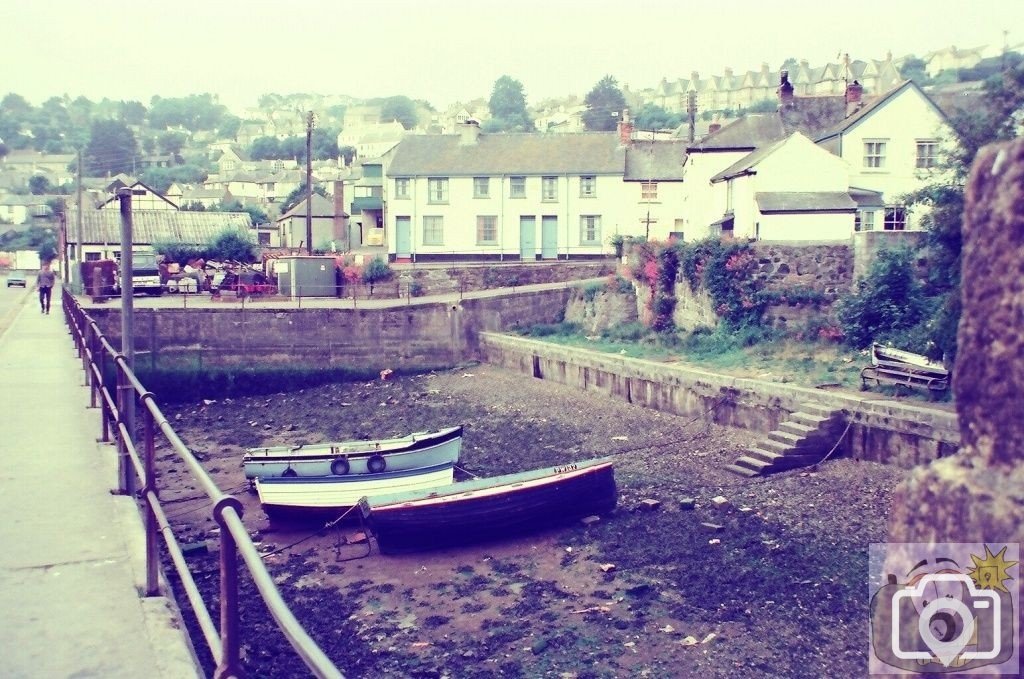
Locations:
{"points": [[79, 257], [309, 183]]}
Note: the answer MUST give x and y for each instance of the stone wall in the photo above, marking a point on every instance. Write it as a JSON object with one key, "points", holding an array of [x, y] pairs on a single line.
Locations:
{"points": [[413, 336], [597, 310], [880, 430], [867, 244], [826, 269], [436, 279]]}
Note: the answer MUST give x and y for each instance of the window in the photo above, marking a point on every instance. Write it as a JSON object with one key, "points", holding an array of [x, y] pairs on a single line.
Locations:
{"points": [[874, 154], [486, 230], [517, 187], [864, 220], [895, 218], [481, 187], [590, 229], [648, 190], [263, 238], [402, 188], [437, 190], [92, 256], [433, 230], [927, 152], [549, 189], [588, 187]]}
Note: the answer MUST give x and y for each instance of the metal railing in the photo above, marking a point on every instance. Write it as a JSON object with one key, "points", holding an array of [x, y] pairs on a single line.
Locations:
{"points": [[112, 396]]}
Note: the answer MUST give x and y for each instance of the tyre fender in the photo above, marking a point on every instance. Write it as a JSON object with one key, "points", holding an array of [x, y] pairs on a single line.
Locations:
{"points": [[376, 464], [340, 466]]}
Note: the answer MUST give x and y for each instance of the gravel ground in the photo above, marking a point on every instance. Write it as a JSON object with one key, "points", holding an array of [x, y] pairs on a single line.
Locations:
{"points": [[775, 587]]}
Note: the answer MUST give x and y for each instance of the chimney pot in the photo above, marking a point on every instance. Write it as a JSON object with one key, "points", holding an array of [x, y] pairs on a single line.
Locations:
{"points": [[853, 97], [625, 129], [694, 75], [469, 132], [714, 127], [785, 89]]}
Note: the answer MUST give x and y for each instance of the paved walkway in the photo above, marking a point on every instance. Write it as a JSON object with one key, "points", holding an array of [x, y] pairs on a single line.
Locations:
{"points": [[71, 553]]}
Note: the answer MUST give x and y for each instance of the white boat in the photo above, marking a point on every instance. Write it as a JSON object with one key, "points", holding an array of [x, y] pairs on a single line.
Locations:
{"points": [[415, 451], [328, 496], [905, 360]]}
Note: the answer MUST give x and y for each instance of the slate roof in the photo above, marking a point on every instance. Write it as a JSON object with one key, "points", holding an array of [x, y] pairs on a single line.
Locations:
{"points": [[104, 226], [804, 201], [322, 207], [866, 197], [809, 115], [497, 154], [655, 161]]}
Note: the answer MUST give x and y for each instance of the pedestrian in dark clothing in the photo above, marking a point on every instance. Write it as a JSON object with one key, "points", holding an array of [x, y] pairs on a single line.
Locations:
{"points": [[44, 281]]}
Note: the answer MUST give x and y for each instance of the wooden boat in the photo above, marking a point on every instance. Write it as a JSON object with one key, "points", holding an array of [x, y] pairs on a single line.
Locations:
{"points": [[417, 450], [490, 508], [905, 360], [329, 496]]}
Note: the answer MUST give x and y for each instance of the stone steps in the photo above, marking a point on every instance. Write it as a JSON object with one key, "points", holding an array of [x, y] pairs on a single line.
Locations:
{"points": [[803, 439]]}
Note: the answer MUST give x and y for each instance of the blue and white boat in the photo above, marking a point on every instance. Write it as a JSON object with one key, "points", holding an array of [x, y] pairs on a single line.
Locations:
{"points": [[415, 451]]}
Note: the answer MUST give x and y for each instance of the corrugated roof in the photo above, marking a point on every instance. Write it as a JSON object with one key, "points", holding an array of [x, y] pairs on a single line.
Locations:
{"points": [[525, 154], [804, 201], [148, 226], [655, 160]]}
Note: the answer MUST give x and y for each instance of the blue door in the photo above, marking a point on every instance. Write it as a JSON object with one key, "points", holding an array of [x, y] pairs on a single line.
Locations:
{"points": [[403, 237], [549, 237], [528, 238]]}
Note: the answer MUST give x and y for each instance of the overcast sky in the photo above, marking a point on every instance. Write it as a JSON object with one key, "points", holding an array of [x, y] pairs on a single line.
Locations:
{"points": [[450, 50]]}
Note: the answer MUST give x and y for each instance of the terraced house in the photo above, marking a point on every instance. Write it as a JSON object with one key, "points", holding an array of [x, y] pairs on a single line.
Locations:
{"points": [[527, 196]]}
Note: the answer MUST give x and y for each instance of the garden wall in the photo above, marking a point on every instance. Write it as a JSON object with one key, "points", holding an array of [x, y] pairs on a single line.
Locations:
{"points": [[437, 279], [867, 244], [881, 430]]}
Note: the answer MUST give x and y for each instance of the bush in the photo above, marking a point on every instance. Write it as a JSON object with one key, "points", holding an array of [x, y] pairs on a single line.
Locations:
{"points": [[375, 271], [234, 245], [552, 329], [591, 291], [176, 251], [886, 303], [627, 332]]}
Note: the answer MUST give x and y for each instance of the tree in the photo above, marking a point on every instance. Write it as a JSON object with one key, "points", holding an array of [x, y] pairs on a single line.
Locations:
{"points": [[299, 195], [232, 244], [47, 249], [348, 153], [790, 64], [257, 215], [293, 147], [324, 143], [915, 69], [39, 185], [654, 117], [376, 270], [605, 105], [229, 126], [171, 143], [133, 112], [265, 148], [111, 149], [401, 109], [508, 106]]}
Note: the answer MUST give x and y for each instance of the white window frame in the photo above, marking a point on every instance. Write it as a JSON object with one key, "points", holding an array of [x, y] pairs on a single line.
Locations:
{"points": [[874, 153], [649, 190], [481, 187], [930, 156], [437, 190], [864, 220], [402, 187], [591, 224], [433, 230], [485, 223], [588, 186], [895, 218], [517, 187], [549, 189]]}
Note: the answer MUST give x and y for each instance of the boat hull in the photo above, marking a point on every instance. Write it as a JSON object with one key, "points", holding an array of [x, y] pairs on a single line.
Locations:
{"points": [[329, 496], [888, 357], [355, 457], [488, 509]]}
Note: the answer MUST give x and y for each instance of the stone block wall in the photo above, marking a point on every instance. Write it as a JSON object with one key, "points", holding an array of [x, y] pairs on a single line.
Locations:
{"points": [[867, 245], [437, 279], [600, 310]]}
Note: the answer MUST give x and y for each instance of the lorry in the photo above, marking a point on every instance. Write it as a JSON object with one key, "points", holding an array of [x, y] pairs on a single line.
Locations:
{"points": [[145, 274]]}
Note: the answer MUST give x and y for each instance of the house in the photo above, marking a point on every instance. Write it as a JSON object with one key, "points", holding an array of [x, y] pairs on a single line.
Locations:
{"points": [[143, 197], [890, 144], [328, 220], [371, 140], [507, 196], [233, 159], [101, 230], [58, 168], [367, 207], [654, 177], [792, 190], [205, 197], [953, 58], [22, 209]]}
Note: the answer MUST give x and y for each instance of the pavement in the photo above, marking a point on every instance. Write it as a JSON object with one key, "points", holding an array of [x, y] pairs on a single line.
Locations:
{"points": [[72, 564]]}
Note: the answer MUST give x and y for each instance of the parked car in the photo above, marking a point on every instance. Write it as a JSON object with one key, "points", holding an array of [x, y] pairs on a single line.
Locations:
{"points": [[16, 277], [243, 283]]}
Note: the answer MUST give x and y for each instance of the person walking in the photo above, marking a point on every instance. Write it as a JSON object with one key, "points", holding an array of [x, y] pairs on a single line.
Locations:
{"points": [[44, 281]]}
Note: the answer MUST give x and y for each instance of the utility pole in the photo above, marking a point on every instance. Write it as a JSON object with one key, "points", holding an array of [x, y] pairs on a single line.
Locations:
{"points": [[309, 183], [691, 112], [79, 257], [124, 195]]}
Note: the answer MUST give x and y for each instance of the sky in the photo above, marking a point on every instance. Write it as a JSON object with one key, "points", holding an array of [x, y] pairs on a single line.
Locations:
{"points": [[445, 51]]}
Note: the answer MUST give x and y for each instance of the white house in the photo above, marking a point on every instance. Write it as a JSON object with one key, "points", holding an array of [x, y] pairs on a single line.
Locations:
{"points": [[791, 190], [654, 179], [507, 196], [328, 222], [143, 198]]}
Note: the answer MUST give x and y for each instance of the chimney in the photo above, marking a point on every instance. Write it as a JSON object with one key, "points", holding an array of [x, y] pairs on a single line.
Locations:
{"points": [[625, 129], [714, 127], [785, 89], [469, 132], [339, 231], [853, 93], [694, 76]]}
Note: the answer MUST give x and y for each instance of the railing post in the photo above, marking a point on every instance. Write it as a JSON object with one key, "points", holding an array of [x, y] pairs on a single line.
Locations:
{"points": [[152, 529], [230, 659]]}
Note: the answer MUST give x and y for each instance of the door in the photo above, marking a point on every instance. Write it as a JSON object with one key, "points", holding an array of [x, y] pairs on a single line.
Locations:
{"points": [[403, 237], [549, 237], [528, 238]]}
